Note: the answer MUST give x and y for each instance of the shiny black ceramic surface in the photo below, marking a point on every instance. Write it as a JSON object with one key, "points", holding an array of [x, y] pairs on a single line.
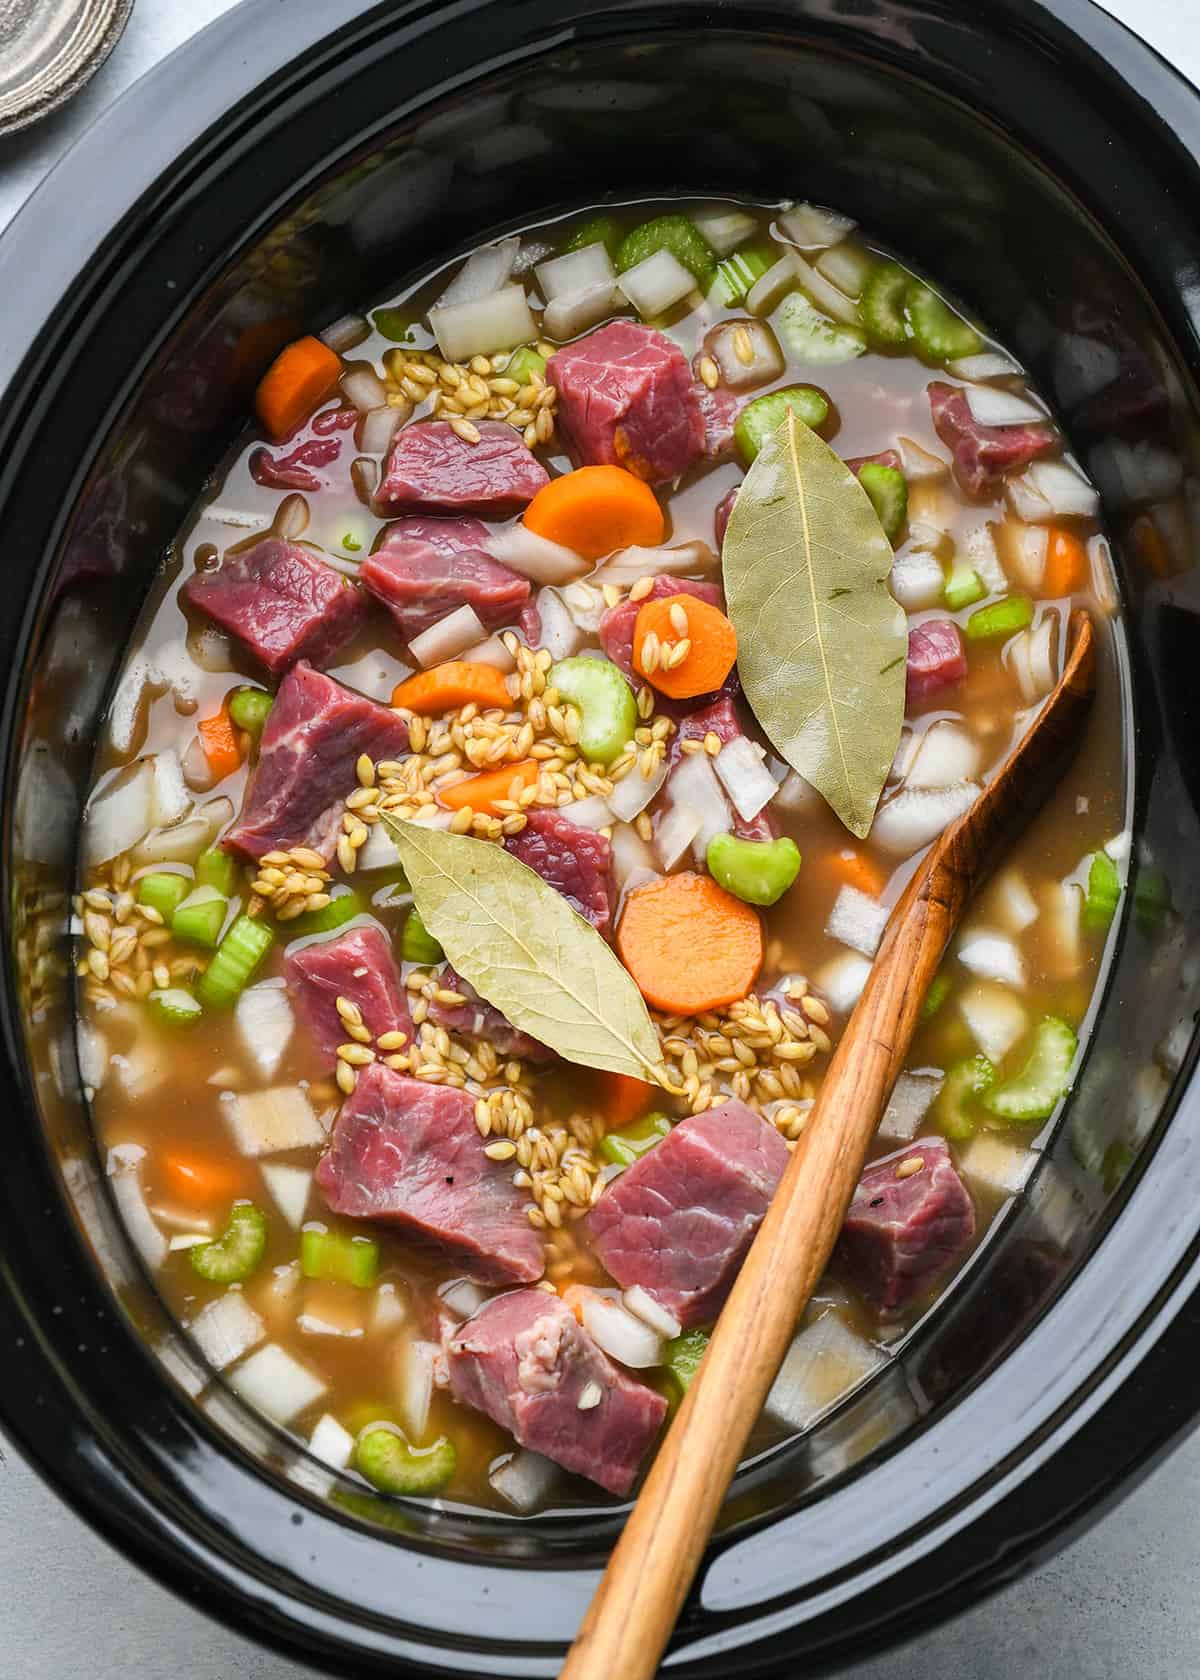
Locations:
{"points": [[288, 164]]}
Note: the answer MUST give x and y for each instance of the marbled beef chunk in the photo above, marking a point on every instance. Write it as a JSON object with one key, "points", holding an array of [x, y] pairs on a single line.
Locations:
{"points": [[617, 623], [626, 399], [357, 965], [410, 1153], [313, 738], [577, 862], [280, 602], [983, 454], [936, 658], [680, 1221], [418, 585], [430, 469], [475, 1017], [525, 1361], [906, 1225]]}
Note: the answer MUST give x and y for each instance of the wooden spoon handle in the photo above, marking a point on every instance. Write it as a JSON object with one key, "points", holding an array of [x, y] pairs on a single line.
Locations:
{"points": [[653, 1564]]}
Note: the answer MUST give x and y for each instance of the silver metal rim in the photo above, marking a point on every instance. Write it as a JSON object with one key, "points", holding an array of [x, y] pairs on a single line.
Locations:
{"points": [[100, 28]]}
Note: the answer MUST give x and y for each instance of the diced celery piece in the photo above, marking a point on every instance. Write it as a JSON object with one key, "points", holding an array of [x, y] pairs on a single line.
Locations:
{"points": [[215, 868], [1103, 893], [200, 916], [339, 1258], [238, 1251], [676, 234], [941, 334], [756, 871], [390, 1464], [174, 1007], [396, 324], [234, 963], [1001, 618], [888, 489], [1044, 1080], [882, 305], [765, 415], [163, 892], [936, 996], [628, 1145], [417, 944], [965, 1081], [524, 362], [683, 1354], [249, 708], [811, 336], [341, 909], [963, 588], [608, 716], [738, 273], [596, 230]]}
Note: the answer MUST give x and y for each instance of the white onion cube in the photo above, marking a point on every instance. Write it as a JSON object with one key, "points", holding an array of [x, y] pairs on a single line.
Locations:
{"points": [[841, 981], [857, 920], [271, 1122], [824, 1362], [994, 1164], [993, 957], [226, 1329], [276, 1384], [913, 1095], [996, 1018]]}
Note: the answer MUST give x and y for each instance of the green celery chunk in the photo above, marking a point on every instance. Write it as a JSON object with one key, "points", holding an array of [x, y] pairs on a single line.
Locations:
{"points": [[811, 336], [682, 1356], [596, 230], [963, 588], [1034, 1093], [1118, 1158], [163, 892], [218, 869], [965, 1081], [389, 1463], [756, 871], [628, 1145], [888, 489], [341, 909], [608, 716], [765, 415], [677, 234], [396, 324], [941, 334], [200, 917], [234, 963], [936, 996], [249, 708], [737, 274], [238, 1251], [174, 1007], [882, 305], [417, 944], [524, 362], [1103, 893], [339, 1258], [1001, 618]]}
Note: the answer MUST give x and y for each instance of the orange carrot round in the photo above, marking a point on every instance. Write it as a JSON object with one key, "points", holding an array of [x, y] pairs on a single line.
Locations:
{"points": [[689, 944], [301, 376], [702, 630], [203, 1178], [218, 738], [1066, 565], [855, 870], [456, 683], [595, 510], [481, 792], [623, 1098]]}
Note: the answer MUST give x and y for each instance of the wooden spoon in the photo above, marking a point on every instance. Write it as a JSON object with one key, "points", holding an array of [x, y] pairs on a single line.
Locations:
{"points": [[631, 1617]]}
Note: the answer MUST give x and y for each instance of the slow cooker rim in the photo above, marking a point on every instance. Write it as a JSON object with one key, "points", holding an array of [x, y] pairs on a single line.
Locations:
{"points": [[45, 209]]}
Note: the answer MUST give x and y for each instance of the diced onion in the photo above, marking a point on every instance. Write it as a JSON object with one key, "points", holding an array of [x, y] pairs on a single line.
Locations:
{"points": [[124, 1167], [945, 754], [992, 406], [586, 605], [560, 635], [627, 565], [676, 830], [272, 1122], [374, 433], [483, 274], [693, 782], [912, 1097], [276, 1384], [416, 1386], [771, 286], [198, 773], [643, 1305], [462, 1296], [291, 517], [524, 1480], [1011, 898], [824, 1362], [992, 956], [574, 313], [449, 637], [762, 363], [171, 801], [630, 852], [264, 1020], [917, 580], [144, 1068], [978, 547], [536, 558], [184, 842], [127, 714], [344, 333], [492, 652], [918, 465], [118, 818], [92, 1050], [634, 792], [1025, 550], [813, 228], [725, 230], [364, 477], [846, 267], [795, 794], [332, 1444], [589, 266], [362, 386], [379, 851], [857, 920], [483, 326], [826, 296], [915, 816], [1120, 846], [995, 1017], [388, 1311], [994, 1164], [656, 283], [986, 364], [842, 979], [1062, 909], [622, 1336], [226, 1329], [593, 812], [291, 1188], [744, 776], [1049, 490]]}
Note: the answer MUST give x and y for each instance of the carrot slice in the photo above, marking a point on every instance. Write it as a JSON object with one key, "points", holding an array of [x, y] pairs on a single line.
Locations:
{"points": [[456, 683], [675, 621], [202, 1177], [481, 792], [689, 944], [596, 509], [301, 376], [856, 871], [218, 738], [623, 1098], [1066, 565]]}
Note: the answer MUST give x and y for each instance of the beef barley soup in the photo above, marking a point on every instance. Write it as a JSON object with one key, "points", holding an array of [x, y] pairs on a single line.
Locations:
{"points": [[501, 807]]}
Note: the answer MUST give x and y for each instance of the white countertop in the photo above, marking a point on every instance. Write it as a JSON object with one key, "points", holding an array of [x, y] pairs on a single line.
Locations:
{"points": [[1120, 1604]]}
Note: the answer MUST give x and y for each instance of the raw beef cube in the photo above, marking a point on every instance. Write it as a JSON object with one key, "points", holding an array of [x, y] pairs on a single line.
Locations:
{"points": [[905, 1226], [476, 1018], [357, 965], [431, 469], [936, 658], [418, 585], [410, 1153], [280, 602], [576, 861], [719, 410], [626, 399], [983, 454], [314, 736], [680, 1221], [525, 1361]]}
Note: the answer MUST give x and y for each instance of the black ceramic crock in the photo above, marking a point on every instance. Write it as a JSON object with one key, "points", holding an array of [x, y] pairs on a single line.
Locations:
{"points": [[295, 161]]}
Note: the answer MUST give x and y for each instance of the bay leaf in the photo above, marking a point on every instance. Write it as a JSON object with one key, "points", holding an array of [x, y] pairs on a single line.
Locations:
{"points": [[524, 949], [822, 644]]}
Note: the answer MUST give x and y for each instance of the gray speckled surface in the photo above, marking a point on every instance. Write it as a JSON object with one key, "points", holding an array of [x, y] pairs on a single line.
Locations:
{"points": [[1120, 1604]]}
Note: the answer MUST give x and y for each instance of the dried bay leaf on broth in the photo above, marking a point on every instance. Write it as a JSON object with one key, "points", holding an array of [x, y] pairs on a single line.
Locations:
{"points": [[524, 949], [822, 644]]}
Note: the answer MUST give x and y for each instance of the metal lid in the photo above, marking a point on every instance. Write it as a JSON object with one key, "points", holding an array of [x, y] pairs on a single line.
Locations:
{"points": [[49, 49]]}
